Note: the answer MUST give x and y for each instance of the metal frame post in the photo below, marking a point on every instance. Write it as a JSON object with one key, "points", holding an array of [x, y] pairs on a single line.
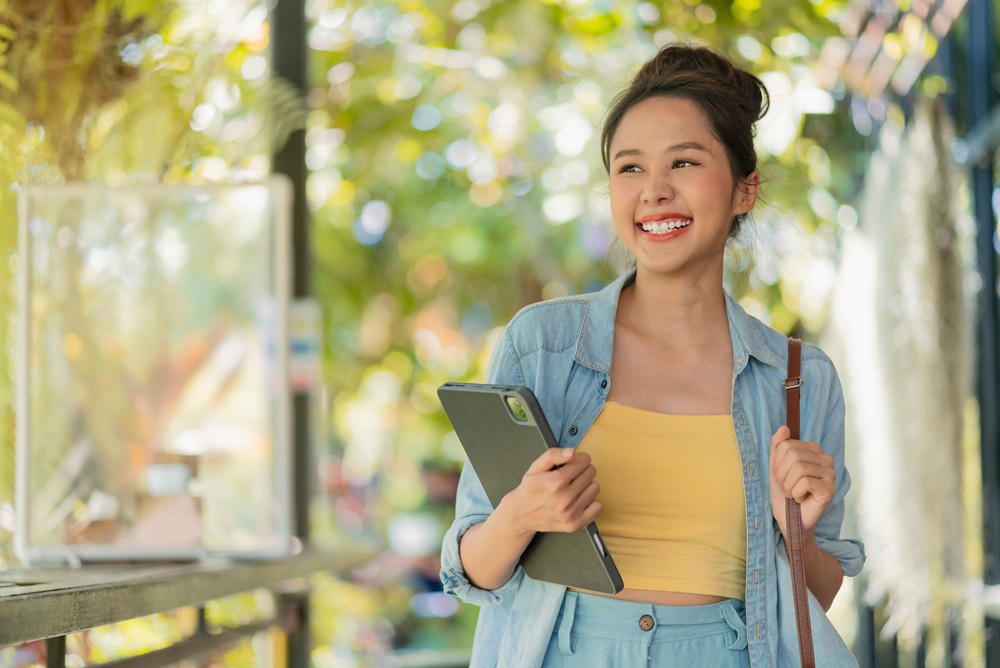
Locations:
{"points": [[55, 652], [982, 99], [289, 62], [289, 58]]}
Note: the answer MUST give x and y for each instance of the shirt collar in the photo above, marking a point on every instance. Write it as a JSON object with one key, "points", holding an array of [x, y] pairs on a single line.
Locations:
{"points": [[594, 345]]}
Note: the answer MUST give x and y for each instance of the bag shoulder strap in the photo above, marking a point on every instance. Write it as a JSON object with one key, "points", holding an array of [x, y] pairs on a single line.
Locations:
{"points": [[794, 514]]}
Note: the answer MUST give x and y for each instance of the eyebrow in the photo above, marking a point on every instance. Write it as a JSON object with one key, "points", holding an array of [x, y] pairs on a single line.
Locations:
{"points": [[676, 147]]}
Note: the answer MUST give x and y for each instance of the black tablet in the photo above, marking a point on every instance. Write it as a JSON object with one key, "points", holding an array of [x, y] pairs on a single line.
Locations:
{"points": [[503, 430]]}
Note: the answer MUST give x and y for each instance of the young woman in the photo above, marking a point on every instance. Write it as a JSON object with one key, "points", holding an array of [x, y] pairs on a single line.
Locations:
{"points": [[667, 401]]}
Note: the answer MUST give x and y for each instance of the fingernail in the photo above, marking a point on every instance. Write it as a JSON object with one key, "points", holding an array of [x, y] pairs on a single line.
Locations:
{"points": [[566, 453]]}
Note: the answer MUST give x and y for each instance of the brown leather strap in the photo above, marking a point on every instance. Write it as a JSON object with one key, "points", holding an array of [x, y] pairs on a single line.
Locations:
{"points": [[793, 514]]}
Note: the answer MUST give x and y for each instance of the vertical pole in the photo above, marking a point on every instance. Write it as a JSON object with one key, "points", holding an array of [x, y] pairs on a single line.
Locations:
{"points": [[982, 98], [55, 652], [865, 642], [295, 610], [289, 55], [202, 623], [288, 52]]}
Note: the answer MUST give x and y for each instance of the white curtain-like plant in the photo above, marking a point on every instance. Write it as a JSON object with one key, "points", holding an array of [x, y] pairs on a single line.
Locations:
{"points": [[901, 332]]}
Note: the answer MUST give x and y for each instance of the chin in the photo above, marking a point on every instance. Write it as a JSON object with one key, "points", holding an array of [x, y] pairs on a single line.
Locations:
{"points": [[663, 269]]}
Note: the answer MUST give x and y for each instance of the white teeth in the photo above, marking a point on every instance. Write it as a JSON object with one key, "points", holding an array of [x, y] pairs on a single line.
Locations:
{"points": [[664, 227]]}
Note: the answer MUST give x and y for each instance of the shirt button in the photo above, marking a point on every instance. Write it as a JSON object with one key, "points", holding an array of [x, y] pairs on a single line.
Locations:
{"points": [[751, 468], [755, 522], [604, 384], [573, 430], [646, 623], [755, 581]]}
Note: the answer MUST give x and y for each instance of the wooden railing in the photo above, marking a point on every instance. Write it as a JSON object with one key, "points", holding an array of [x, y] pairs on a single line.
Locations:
{"points": [[47, 604]]}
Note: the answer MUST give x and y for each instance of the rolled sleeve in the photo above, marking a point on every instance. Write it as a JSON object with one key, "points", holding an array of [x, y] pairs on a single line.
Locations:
{"points": [[472, 506], [848, 551]]}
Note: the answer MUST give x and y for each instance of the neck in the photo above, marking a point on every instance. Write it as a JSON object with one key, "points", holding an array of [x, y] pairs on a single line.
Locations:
{"points": [[683, 312]]}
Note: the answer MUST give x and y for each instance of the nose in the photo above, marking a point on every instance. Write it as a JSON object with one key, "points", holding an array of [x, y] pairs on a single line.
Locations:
{"points": [[657, 187]]}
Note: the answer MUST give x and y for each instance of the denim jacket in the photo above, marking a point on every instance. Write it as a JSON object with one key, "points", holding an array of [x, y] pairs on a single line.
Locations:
{"points": [[561, 349]]}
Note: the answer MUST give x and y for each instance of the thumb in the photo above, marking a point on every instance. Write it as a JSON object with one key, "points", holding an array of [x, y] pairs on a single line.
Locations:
{"points": [[550, 459], [783, 434]]}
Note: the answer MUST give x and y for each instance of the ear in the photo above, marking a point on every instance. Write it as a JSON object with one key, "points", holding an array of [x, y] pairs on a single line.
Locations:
{"points": [[746, 193]]}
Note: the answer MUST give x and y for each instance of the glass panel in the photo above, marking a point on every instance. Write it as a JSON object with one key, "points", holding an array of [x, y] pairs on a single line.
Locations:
{"points": [[155, 395]]}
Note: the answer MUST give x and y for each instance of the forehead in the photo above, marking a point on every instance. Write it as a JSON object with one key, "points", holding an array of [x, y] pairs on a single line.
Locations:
{"points": [[666, 120]]}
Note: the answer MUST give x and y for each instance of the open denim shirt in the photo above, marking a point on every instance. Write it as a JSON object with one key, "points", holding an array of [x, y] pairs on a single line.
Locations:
{"points": [[562, 349]]}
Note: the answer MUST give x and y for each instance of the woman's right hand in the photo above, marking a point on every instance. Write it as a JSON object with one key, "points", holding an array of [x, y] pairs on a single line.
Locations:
{"points": [[556, 499], [548, 499]]}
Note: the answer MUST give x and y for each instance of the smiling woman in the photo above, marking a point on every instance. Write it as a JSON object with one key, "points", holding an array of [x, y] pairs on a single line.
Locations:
{"points": [[671, 396]]}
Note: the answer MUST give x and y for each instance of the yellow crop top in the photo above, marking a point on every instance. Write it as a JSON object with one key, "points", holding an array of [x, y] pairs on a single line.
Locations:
{"points": [[674, 516]]}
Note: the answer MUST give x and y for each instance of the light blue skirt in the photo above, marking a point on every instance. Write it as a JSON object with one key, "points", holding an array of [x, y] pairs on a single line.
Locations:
{"points": [[599, 631]]}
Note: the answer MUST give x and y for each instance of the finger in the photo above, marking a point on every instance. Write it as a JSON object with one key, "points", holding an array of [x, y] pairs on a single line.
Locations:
{"points": [[801, 470], [569, 471], [804, 446], [802, 489], [585, 495], [804, 486], [579, 462], [583, 511], [794, 457], [550, 459], [578, 484], [590, 513], [580, 511], [813, 479]]}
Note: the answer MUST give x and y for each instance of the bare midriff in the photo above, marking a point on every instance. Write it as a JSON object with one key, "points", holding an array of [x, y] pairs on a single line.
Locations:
{"points": [[659, 597]]}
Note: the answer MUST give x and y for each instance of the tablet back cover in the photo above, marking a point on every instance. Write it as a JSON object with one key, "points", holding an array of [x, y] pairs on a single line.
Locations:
{"points": [[500, 449]]}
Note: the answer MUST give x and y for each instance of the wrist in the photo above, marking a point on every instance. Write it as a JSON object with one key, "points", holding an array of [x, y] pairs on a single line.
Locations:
{"points": [[509, 515], [810, 547]]}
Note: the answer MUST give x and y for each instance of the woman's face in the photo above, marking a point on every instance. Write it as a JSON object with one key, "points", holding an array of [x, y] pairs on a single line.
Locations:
{"points": [[673, 198]]}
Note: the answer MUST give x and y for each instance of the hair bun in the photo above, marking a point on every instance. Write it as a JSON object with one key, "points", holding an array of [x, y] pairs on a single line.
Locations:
{"points": [[681, 60]]}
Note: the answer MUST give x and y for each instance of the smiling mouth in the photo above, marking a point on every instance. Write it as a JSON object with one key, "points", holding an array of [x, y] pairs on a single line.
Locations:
{"points": [[664, 226]]}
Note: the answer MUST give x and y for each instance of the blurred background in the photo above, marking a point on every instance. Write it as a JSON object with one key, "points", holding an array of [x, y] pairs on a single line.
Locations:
{"points": [[446, 162]]}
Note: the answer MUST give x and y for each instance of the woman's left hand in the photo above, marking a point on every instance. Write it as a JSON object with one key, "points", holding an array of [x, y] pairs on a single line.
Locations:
{"points": [[800, 469]]}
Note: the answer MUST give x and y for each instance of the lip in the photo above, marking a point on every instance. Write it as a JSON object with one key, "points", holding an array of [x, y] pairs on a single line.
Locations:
{"points": [[657, 217]]}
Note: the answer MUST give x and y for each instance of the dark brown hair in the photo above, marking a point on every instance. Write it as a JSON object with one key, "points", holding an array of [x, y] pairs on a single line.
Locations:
{"points": [[731, 98]]}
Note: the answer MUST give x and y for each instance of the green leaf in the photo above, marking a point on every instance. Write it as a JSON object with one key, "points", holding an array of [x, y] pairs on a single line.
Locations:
{"points": [[11, 116], [8, 81]]}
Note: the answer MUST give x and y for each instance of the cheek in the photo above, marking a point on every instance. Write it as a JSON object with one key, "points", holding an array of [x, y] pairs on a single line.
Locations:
{"points": [[623, 200]]}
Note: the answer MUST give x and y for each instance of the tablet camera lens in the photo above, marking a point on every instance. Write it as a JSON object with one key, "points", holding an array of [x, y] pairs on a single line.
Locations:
{"points": [[517, 409]]}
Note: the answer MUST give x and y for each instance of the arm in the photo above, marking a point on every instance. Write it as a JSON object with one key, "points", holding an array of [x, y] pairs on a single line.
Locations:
{"points": [[824, 576], [481, 550], [815, 475]]}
